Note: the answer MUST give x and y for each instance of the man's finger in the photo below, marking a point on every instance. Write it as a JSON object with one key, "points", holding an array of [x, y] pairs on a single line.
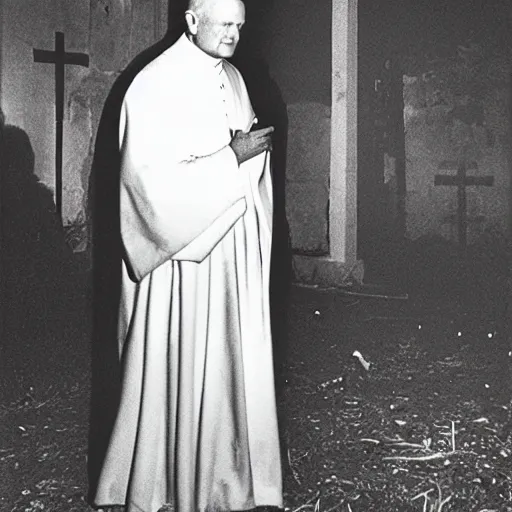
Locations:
{"points": [[264, 138], [264, 131]]}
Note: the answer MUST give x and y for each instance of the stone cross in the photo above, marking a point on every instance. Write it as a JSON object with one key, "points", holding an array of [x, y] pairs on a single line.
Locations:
{"points": [[461, 180], [60, 58]]}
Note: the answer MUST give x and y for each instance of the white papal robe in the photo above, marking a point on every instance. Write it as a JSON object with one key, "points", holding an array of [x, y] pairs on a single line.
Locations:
{"points": [[197, 422]]}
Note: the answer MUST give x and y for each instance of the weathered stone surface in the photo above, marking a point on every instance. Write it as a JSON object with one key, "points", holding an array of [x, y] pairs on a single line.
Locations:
{"points": [[28, 90], [28, 87], [307, 206], [458, 110], [96, 88], [308, 171], [143, 30], [77, 145], [75, 22], [309, 142], [32, 20], [110, 33], [324, 271]]}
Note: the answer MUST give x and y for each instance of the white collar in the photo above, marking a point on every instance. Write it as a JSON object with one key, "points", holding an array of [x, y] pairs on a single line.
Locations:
{"points": [[199, 56]]}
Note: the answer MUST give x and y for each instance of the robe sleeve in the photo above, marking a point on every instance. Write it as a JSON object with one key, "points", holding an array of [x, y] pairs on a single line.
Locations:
{"points": [[174, 185]]}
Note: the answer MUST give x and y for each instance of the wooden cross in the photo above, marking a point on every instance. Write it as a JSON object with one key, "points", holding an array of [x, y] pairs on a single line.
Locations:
{"points": [[461, 180], [60, 58]]}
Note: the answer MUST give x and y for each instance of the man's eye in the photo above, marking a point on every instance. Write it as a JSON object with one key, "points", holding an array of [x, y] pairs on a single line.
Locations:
{"points": [[239, 26]]}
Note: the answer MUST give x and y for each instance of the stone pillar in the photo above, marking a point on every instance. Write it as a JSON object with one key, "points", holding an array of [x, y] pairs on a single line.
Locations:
{"points": [[341, 265], [2, 288]]}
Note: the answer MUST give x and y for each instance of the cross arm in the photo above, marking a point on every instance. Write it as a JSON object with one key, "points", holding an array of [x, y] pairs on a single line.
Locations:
{"points": [[79, 59], [469, 181]]}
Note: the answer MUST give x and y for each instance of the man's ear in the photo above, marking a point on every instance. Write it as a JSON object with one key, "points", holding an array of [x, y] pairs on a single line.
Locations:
{"points": [[192, 22]]}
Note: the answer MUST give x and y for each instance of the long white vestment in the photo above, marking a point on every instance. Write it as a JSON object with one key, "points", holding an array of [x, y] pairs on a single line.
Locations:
{"points": [[197, 423]]}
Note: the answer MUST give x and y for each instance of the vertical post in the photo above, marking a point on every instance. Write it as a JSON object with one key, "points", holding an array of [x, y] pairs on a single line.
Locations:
{"points": [[1, 46], [60, 58], [343, 185], [2, 279], [59, 119]]}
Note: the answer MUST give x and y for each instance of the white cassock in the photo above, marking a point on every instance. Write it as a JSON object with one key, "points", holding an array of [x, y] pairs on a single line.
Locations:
{"points": [[197, 422]]}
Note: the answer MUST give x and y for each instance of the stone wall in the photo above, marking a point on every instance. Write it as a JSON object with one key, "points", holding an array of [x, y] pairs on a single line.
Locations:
{"points": [[459, 108], [308, 175], [456, 61], [111, 33]]}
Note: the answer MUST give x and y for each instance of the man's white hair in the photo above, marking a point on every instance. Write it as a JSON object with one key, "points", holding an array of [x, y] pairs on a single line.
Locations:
{"points": [[200, 6], [196, 6]]}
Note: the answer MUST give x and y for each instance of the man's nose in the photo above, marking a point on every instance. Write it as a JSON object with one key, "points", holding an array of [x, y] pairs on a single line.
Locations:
{"points": [[233, 32]]}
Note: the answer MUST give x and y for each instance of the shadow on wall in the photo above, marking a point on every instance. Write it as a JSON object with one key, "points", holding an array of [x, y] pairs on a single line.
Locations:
{"points": [[107, 249], [38, 273]]}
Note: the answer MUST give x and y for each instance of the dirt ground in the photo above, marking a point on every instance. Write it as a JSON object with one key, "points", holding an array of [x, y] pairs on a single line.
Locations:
{"points": [[427, 427]]}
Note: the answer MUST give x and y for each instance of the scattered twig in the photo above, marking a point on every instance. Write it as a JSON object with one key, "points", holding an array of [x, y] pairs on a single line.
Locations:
{"points": [[308, 503], [395, 318], [403, 444], [362, 360], [423, 495], [441, 502], [336, 506], [294, 471], [41, 404], [396, 439], [432, 456]]}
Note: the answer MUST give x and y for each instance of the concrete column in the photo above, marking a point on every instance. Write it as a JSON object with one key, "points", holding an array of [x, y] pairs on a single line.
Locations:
{"points": [[343, 191], [2, 287], [1, 43], [341, 264]]}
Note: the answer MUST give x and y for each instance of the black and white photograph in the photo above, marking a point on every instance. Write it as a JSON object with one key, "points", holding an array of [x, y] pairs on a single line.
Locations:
{"points": [[255, 256]]}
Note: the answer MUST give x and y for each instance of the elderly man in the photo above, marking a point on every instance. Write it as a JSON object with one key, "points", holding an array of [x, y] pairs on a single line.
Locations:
{"points": [[197, 424]]}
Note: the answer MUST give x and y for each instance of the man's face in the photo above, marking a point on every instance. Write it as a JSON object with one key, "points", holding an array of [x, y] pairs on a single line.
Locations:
{"points": [[218, 27]]}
